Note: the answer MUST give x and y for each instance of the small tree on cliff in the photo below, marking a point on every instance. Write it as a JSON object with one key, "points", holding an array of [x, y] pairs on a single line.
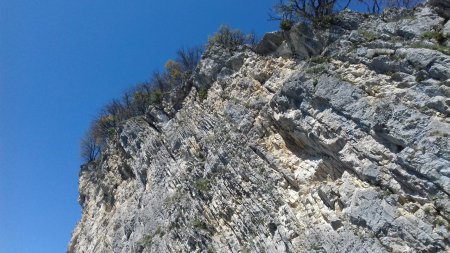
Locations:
{"points": [[136, 101], [189, 58], [307, 10], [231, 38], [89, 147]]}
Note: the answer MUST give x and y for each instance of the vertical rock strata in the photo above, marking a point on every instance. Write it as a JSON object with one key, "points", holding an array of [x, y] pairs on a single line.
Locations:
{"points": [[323, 140]]}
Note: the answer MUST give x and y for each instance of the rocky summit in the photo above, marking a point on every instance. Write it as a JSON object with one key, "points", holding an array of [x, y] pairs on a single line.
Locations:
{"points": [[331, 138]]}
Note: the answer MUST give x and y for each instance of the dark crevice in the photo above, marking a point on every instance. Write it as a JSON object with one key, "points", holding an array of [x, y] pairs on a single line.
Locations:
{"points": [[126, 172], [149, 119], [272, 228], [143, 176], [382, 136]]}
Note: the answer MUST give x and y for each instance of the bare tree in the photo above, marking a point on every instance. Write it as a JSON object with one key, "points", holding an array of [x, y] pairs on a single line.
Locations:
{"points": [[231, 38], [136, 101], [159, 80], [307, 10], [142, 98], [189, 58], [115, 108], [89, 148]]}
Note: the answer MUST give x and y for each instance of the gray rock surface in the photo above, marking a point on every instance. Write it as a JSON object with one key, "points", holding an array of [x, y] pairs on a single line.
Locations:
{"points": [[348, 151]]}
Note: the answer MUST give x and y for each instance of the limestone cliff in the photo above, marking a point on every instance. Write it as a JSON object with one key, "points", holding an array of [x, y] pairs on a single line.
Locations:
{"points": [[332, 139]]}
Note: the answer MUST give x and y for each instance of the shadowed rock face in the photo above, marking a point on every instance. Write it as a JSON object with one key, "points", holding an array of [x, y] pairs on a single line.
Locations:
{"points": [[348, 151], [442, 7]]}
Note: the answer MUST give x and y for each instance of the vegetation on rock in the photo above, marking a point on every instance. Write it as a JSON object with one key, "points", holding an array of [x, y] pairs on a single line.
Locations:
{"points": [[137, 100], [322, 11], [230, 38]]}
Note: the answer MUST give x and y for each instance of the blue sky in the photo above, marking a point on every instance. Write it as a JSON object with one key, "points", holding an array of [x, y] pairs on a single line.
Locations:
{"points": [[60, 62]]}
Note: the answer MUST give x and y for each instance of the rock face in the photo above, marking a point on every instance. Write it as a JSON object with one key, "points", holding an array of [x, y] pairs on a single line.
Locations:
{"points": [[347, 151], [442, 7]]}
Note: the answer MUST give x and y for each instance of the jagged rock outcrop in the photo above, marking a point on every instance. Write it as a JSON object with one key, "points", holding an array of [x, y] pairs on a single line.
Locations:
{"points": [[343, 146]]}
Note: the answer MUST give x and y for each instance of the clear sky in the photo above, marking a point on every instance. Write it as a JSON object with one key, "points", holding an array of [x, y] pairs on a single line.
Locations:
{"points": [[60, 62]]}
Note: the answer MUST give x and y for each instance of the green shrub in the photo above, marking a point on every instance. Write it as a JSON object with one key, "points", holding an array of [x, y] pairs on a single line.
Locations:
{"points": [[202, 185], [231, 38], [438, 36], [439, 221], [141, 102], [199, 224], [159, 232], [111, 133], [316, 69], [139, 97], [320, 59], [156, 97], [428, 209], [325, 21], [420, 78], [369, 36], [203, 93]]}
